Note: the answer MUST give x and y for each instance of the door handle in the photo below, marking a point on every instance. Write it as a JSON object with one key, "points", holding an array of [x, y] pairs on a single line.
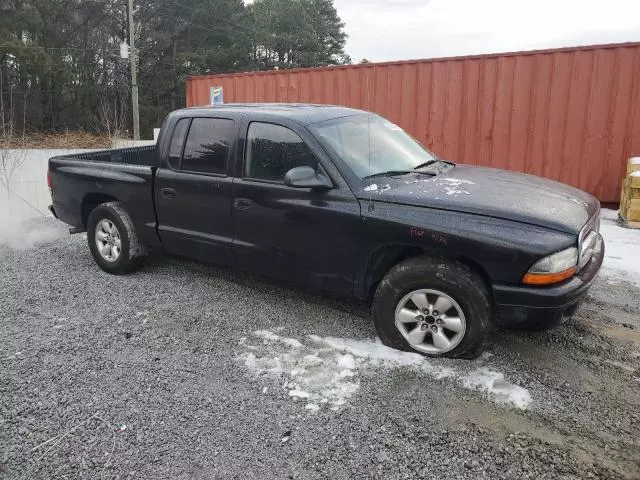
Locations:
{"points": [[167, 192], [242, 203]]}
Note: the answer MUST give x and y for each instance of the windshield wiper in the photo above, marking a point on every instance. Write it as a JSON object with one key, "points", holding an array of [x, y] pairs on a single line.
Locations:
{"points": [[389, 173], [426, 164]]}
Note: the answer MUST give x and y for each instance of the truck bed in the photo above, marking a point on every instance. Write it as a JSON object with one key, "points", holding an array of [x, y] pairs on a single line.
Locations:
{"points": [[81, 181], [144, 156]]}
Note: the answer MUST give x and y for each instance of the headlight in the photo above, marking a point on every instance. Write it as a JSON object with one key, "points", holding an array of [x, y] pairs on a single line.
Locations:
{"points": [[553, 269]]}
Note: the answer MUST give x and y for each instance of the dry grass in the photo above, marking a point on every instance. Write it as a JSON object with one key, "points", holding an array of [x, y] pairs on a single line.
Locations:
{"points": [[60, 140]]}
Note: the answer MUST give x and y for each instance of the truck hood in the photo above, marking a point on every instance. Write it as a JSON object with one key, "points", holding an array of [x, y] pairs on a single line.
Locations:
{"points": [[490, 192]]}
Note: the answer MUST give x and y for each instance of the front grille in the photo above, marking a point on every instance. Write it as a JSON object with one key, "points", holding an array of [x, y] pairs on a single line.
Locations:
{"points": [[587, 239]]}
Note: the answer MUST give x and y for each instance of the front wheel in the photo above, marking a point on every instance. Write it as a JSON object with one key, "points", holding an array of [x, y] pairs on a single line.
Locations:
{"points": [[433, 306], [113, 240]]}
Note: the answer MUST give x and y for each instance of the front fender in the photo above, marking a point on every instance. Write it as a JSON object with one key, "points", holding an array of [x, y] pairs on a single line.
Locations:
{"points": [[504, 249]]}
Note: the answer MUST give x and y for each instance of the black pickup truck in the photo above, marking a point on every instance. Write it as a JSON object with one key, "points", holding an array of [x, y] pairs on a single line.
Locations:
{"points": [[344, 201]]}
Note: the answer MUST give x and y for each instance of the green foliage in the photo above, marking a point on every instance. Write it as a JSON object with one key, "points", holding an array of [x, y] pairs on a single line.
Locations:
{"points": [[60, 66], [297, 33]]}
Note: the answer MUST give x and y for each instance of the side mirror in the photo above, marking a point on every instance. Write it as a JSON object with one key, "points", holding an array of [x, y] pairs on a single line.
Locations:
{"points": [[307, 177]]}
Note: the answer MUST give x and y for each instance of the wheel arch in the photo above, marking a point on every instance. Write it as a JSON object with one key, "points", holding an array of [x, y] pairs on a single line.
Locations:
{"points": [[91, 201], [387, 257]]}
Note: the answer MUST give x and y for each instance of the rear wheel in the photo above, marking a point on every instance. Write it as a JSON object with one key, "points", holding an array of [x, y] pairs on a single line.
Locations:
{"points": [[433, 306], [113, 240]]}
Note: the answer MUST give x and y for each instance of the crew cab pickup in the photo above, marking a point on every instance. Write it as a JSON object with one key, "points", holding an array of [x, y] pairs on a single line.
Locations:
{"points": [[344, 201]]}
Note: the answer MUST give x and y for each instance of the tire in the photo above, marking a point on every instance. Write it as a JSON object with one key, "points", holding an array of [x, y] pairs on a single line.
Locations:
{"points": [[442, 282], [123, 240]]}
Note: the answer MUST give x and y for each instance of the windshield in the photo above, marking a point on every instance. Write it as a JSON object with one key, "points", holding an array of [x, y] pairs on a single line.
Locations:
{"points": [[371, 145]]}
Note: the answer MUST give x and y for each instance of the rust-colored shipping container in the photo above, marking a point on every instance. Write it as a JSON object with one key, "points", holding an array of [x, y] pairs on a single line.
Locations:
{"points": [[569, 114]]}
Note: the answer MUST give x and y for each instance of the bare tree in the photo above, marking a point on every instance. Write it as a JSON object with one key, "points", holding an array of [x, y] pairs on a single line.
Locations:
{"points": [[12, 153], [111, 116]]}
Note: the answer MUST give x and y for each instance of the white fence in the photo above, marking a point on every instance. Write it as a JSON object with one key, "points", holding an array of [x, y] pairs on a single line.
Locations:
{"points": [[23, 180], [23, 184]]}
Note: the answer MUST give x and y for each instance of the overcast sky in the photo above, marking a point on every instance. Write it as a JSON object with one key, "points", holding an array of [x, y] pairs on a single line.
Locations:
{"points": [[382, 30]]}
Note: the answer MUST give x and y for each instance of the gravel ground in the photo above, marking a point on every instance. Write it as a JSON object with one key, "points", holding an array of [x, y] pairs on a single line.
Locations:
{"points": [[147, 376]]}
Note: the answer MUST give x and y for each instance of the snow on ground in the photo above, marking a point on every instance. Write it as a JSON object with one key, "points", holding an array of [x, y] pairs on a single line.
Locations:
{"points": [[622, 249], [325, 371]]}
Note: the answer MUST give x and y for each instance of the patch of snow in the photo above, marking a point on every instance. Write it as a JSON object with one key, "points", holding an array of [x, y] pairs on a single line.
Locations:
{"points": [[636, 173], [367, 350], [621, 258], [488, 381], [385, 188], [299, 393], [608, 214], [264, 364], [272, 337], [497, 388], [454, 191], [453, 185], [457, 181], [347, 361], [325, 370], [371, 188], [635, 161]]}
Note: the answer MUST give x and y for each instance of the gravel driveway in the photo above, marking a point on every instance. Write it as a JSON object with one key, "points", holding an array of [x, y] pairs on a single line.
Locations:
{"points": [[189, 371]]}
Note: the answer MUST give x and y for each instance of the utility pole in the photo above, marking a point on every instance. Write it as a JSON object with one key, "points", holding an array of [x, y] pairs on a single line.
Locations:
{"points": [[133, 58]]}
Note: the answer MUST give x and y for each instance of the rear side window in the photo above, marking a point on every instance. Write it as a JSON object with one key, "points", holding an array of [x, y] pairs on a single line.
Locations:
{"points": [[208, 144], [273, 150], [177, 142]]}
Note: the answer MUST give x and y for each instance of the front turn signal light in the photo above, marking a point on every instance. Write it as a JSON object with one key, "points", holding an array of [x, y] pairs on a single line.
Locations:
{"points": [[547, 278]]}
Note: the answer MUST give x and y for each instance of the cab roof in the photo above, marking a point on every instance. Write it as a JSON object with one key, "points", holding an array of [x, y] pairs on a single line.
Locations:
{"points": [[303, 113]]}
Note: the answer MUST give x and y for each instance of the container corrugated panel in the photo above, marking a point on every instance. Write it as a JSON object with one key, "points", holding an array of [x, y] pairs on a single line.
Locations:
{"points": [[571, 114]]}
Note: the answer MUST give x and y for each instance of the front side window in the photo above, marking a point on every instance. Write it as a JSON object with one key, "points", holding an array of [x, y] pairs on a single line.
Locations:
{"points": [[208, 144], [369, 144], [273, 150]]}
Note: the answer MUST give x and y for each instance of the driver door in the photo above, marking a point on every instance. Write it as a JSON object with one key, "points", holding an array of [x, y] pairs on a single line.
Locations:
{"points": [[302, 235]]}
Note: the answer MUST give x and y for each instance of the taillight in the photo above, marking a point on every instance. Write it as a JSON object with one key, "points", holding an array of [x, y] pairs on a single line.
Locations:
{"points": [[49, 182]]}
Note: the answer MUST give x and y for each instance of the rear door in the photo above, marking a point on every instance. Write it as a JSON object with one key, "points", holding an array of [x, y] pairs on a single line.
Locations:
{"points": [[307, 236], [194, 193]]}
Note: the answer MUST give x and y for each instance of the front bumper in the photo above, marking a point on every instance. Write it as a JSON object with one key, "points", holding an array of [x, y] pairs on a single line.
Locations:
{"points": [[538, 308]]}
